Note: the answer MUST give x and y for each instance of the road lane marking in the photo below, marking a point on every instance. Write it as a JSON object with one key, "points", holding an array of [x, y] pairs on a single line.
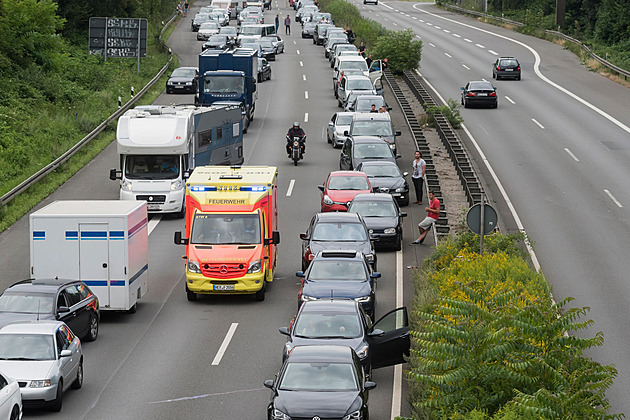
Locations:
{"points": [[386, 19], [298, 51], [437, 27], [395, 10], [510, 99], [294, 42], [446, 31], [306, 94], [479, 45], [457, 35], [304, 77], [431, 45], [226, 342], [395, 24], [429, 23], [465, 66], [538, 124], [377, 14], [571, 154], [448, 55], [196, 397], [413, 17], [306, 117], [493, 52], [467, 40], [397, 386], [301, 64], [290, 190], [389, 7], [612, 197], [154, 222]]}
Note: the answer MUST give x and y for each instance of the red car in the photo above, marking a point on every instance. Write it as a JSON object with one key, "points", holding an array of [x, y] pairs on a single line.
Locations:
{"points": [[341, 187]]}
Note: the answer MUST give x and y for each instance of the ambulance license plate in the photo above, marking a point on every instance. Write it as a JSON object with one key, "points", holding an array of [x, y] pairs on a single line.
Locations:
{"points": [[223, 287], [153, 206]]}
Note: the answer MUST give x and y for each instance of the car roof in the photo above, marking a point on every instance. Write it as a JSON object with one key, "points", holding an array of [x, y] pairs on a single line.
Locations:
{"points": [[373, 197], [348, 173], [322, 353], [350, 58], [187, 68], [335, 217], [370, 98], [375, 116], [41, 286], [343, 113], [330, 305], [31, 327]]}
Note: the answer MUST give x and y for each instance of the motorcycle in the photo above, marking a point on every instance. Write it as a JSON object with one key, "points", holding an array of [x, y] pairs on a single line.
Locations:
{"points": [[297, 148]]}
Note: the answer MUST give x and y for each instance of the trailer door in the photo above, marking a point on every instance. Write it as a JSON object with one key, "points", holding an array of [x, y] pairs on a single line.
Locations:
{"points": [[94, 259]]}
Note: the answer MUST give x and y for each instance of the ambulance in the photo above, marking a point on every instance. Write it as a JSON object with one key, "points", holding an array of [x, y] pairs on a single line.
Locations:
{"points": [[231, 232]]}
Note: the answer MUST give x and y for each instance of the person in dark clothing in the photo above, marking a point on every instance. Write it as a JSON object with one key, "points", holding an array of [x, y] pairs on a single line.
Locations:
{"points": [[287, 25], [277, 22], [369, 60], [295, 131], [373, 109], [362, 49]]}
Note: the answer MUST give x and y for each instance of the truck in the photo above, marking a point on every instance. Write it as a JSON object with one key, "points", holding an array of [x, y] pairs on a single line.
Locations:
{"points": [[159, 145], [231, 232], [229, 76], [104, 243]]}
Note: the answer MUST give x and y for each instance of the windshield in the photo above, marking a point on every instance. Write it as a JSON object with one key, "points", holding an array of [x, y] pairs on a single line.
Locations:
{"points": [[251, 30], [366, 104], [32, 303], [359, 84], [381, 171], [372, 151], [337, 270], [266, 44], [183, 73], [224, 84], [217, 38], [319, 377], [316, 325], [152, 167], [348, 183], [357, 65], [344, 120], [228, 30], [209, 25], [339, 232], [372, 128], [27, 347], [374, 209], [215, 229]]}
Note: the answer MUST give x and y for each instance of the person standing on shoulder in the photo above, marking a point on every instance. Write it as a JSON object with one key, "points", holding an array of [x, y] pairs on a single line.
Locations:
{"points": [[186, 6], [369, 60], [362, 49], [433, 212], [419, 167], [287, 25], [277, 22]]}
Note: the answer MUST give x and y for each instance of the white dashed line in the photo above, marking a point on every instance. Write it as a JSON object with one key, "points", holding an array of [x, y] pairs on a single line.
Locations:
{"points": [[301, 64], [304, 77], [413, 17], [385, 18], [467, 40], [612, 197], [226, 342], [298, 51], [448, 55], [294, 42], [493, 53], [432, 45], [457, 35], [306, 94], [395, 10], [437, 27], [571, 154], [395, 24], [480, 46], [420, 20], [465, 66], [377, 14], [538, 124], [429, 23], [306, 117], [447, 31], [509, 99], [290, 190]]}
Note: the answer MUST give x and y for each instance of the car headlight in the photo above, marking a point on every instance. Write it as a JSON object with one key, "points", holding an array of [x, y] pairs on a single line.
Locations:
{"points": [[193, 267], [306, 298], [42, 383], [288, 347], [254, 266], [402, 189], [279, 415], [363, 299], [362, 351], [390, 231], [354, 416], [327, 200], [126, 185], [392, 146], [176, 185]]}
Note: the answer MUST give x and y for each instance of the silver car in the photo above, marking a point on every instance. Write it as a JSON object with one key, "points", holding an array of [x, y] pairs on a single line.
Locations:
{"points": [[10, 398], [46, 359], [277, 42], [339, 123]]}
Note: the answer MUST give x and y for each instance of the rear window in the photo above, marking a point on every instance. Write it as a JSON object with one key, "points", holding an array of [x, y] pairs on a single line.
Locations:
{"points": [[348, 183], [510, 62]]}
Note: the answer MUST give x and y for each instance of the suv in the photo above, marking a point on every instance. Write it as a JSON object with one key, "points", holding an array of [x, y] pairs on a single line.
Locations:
{"points": [[69, 301], [505, 68], [377, 124]]}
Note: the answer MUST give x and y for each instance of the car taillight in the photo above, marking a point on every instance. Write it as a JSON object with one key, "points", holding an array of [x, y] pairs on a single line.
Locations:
{"points": [[470, 94], [310, 256], [498, 68], [492, 94], [518, 68]]}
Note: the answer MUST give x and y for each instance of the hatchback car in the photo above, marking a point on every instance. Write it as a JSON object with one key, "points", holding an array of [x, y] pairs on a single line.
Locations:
{"points": [[334, 39], [46, 359], [308, 29], [343, 322], [268, 49], [506, 68], [364, 103], [207, 29], [340, 188], [341, 48], [196, 22], [264, 70], [339, 274], [336, 231], [378, 124], [218, 42], [69, 301], [382, 217], [360, 149], [479, 93], [350, 84], [10, 398], [385, 177], [183, 80], [338, 124]]}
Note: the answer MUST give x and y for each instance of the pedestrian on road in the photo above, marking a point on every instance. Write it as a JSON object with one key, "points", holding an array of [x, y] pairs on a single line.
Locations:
{"points": [[277, 22], [287, 25], [384, 63], [433, 212], [419, 167], [186, 6]]}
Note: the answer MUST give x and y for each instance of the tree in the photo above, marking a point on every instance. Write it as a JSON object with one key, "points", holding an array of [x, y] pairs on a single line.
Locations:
{"points": [[402, 51]]}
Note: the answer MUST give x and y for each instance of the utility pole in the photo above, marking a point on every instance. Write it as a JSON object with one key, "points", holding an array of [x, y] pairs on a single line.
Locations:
{"points": [[561, 6]]}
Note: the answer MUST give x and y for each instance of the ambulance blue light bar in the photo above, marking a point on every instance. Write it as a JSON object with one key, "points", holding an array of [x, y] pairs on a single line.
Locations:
{"points": [[255, 188], [202, 188]]}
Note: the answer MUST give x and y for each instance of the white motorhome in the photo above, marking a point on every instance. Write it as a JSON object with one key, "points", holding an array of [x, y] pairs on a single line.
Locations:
{"points": [[104, 243], [158, 145]]}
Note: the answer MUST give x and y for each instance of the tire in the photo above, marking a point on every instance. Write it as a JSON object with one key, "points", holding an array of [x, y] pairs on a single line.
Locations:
{"points": [[260, 295], [295, 161], [496, 105], [398, 245], [78, 383], [56, 404], [191, 296], [328, 138], [466, 104], [15, 413], [181, 213], [92, 329], [494, 76], [133, 309], [519, 77]]}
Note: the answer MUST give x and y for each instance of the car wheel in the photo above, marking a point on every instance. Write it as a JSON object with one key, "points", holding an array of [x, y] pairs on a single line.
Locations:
{"points": [[465, 103], [182, 212], [191, 296], [133, 309], [78, 383], [15, 413], [461, 100], [260, 295], [55, 405], [519, 77], [328, 138], [398, 245], [92, 329], [495, 105]]}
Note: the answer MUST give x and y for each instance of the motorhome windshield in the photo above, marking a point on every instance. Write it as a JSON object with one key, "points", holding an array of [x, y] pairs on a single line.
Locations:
{"points": [[224, 84], [226, 229], [152, 167]]}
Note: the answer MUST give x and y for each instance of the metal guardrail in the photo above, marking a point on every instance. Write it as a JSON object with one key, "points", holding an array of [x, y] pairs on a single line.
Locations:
{"points": [[24, 185], [432, 182], [609, 65]]}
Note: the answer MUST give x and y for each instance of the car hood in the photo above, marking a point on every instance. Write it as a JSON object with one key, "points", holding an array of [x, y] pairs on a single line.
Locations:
{"points": [[375, 223], [363, 246], [27, 370], [7, 318], [342, 128], [306, 404], [337, 288], [386, 182], [343, 196]]}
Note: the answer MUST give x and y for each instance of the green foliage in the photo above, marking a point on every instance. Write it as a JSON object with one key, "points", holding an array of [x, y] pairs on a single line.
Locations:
{"points": [[347, 15], [402, 51], [450, 111]]}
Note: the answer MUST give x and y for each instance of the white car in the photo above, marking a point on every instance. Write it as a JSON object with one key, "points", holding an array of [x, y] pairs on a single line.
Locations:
{"points": [[207, 29], [10, 398]]}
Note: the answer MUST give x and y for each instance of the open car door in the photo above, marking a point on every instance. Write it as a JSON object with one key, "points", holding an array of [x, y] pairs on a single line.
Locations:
{"points": [[376, 70], [378, 87], [390, 348]]}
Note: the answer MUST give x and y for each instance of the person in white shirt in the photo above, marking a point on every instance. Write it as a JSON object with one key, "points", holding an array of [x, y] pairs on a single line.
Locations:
{"points": [[419, 167]]}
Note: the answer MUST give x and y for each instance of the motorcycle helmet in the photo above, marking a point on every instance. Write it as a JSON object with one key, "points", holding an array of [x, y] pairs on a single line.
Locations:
{"points": [[296, 124]]}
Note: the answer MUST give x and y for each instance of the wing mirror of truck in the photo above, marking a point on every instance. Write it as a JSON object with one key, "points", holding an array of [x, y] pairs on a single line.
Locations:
{"points": [[115, 174], [275, 238], [253, 84], [186, 174], [179, 240]]}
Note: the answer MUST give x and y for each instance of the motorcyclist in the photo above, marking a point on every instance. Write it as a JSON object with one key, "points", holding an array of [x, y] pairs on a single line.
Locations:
{"points": [[296, 131]]}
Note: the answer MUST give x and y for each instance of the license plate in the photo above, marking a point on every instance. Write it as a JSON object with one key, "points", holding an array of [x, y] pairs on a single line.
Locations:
{"points": [[223, 287], [153, 206], [482, 94], [509, 69], [178, 87]]}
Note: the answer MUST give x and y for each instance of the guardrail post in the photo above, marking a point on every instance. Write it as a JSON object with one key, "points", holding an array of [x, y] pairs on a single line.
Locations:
{"points": [[119, 102]]}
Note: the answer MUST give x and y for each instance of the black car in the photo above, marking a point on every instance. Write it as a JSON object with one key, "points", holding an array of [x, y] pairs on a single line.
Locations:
{"points": [[360, 149], [479, 93], [382, 217], [339, 274], [183, 80], [336, 231], [69, 301], [385, 177], [344, 322], [320, 382], [506, 68], [268, 49], [218, 42]]}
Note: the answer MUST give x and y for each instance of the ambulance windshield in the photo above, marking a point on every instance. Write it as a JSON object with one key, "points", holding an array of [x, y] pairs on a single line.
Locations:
{"points": [[226, 229]]}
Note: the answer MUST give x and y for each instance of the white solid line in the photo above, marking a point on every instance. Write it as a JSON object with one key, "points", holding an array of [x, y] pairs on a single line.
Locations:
{"points": [[389, 7], [612, 197], [465, 66], [480, 46], [306, 94], [306, 117], [448, 55], [290, 190], [304, 77], [510, 99], [298, 51], [397, 386], [538, 124], [154, 222], [226, 342], [493, 53], [301, 64], [571, 154]]}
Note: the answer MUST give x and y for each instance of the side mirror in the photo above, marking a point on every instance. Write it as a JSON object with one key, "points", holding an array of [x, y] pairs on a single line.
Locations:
{"points": [[402, 214], [376, 333], [397, 133], [63, 310], [299, 274], [405, 174], [115, 174], [65, 353], [398, 156], [461, 88], [369, 385], [284, 331], [274, 240], [186, 174], [179, 240], [253, 84], [389, 108], [376, 275], [269, 384], [346, 133], [321, 188], [330, 123], [304, 236]]}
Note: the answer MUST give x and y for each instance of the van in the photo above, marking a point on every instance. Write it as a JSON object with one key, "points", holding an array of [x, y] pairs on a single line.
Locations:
{"points": [[260, 30], [343, 63], [374, 124]]}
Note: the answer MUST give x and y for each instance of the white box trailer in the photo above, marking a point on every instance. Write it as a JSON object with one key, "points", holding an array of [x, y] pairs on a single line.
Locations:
{"points": [[104, 243]]}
